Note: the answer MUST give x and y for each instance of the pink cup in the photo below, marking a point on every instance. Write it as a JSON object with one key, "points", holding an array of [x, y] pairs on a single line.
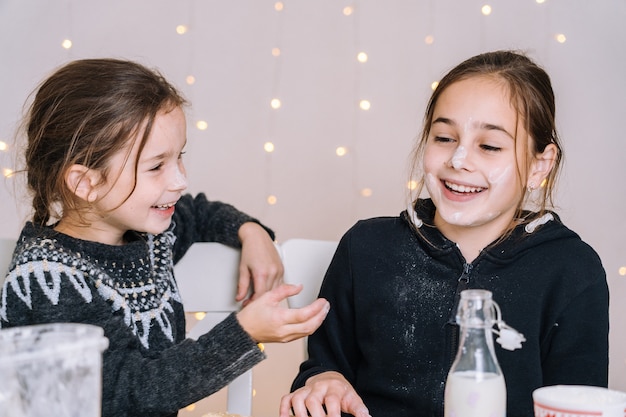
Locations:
{"points": [[578, 401]]}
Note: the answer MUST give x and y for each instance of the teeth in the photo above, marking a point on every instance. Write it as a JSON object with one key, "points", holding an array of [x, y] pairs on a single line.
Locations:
{"points": [[462, 188], [164, 206]]}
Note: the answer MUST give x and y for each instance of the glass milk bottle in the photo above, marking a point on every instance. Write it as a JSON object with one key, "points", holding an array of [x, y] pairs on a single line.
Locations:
{"points": [[475, 385]]}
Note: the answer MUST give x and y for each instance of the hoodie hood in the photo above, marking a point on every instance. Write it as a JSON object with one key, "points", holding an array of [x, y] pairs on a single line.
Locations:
{"points": [[544, 229]]}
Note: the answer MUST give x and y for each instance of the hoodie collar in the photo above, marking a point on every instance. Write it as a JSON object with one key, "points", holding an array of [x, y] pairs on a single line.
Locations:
{"points": [[421, 217]]}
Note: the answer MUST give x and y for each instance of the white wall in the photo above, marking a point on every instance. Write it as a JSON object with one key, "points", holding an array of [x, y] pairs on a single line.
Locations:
{"points": [[228, 49]]}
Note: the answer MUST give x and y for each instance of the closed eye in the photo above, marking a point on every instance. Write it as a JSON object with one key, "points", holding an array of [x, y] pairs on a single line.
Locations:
{"points": [[490, 148], [157, 167], [443, 139]]}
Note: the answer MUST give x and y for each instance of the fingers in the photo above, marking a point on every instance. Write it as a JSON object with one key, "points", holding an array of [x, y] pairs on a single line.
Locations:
{"points": [[324, 395], [354, 405], [302, 324], [243, 286]]}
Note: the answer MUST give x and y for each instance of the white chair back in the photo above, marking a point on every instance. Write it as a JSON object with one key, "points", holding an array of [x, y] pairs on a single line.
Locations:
{"points": [[207, 278], [305, 262], [7, 246]]}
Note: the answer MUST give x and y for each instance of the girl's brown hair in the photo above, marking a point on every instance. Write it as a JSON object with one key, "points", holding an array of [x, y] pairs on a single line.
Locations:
{"points": [[531, 96], [84, 113]]}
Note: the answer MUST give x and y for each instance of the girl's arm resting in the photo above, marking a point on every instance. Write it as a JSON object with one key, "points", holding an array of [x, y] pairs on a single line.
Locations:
{"points": [[198, 220]]}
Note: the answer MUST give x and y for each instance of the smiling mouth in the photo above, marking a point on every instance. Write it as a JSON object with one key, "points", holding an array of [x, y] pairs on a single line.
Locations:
{"points": [[462, 189], [164, 206]]}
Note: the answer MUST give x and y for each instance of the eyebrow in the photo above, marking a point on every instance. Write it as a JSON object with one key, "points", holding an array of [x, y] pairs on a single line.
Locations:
{"points": [[482, 126], [159, 157]]}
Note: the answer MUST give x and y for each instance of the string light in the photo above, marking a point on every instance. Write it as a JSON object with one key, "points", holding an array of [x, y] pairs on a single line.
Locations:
{"points": [[67, 44], [347, 11], [341, 151], [3, 146], [7, 172], [366, 192], [181, 29], [202, 125], [268, 147], [428, 40], [560, 38], [190, 79], [434, 85], [271, 200], [486, 10], [412, 185], [365, 104], [199, 315], [275, 103], [361, 57], [276, 51], [622, 271], [540, 1], [279, 6]]}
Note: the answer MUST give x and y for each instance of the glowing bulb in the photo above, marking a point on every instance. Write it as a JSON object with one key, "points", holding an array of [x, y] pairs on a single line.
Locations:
{"points": [[181, 29], [271, 200], [412, 185], [200, 315], [275, 103], [622, 271], [428, 40], [361, 57], [3, 146], [7, 172], [341, 151], [434, 85], [348, 10], [190, 79], [67, 44], [560, 38], [202, 125], [366, 192], [276, 51], [278, 6], [486, 10], [365, 104], [540, 1], [268, 146]]}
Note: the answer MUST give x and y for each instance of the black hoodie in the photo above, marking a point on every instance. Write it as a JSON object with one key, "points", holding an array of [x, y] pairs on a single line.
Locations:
{"points": [[393, 293]]}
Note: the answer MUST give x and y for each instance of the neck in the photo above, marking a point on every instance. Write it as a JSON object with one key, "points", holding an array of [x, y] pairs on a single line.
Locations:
{"points": [[85, 231]]}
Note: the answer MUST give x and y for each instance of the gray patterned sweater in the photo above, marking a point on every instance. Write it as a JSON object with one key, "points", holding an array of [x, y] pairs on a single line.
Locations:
{"points": [[149, 368]]}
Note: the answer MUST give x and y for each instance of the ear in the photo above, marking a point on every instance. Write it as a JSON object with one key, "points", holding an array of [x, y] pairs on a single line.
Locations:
{"points": [[541, 166], [83, 182]]}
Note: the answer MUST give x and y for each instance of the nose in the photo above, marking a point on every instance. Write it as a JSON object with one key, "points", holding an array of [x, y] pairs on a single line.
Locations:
{"points": [[459, 158], [179, 178]]}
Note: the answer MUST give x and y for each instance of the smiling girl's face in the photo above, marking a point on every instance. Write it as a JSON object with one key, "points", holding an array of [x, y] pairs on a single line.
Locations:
{"points": [[139, 193], [471, 157]]}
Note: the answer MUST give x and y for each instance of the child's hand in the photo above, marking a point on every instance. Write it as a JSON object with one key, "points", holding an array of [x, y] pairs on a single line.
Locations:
{"points": [[267, 319], [261, 268], [324, 395]]}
